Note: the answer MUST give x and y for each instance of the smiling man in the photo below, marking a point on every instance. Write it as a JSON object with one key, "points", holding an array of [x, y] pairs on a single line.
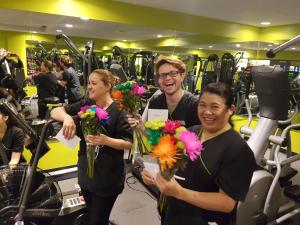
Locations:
{"points": [[181, 104]]}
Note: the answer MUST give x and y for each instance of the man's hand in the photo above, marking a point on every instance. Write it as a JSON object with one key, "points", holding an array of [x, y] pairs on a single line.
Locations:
{"points": [[134, 121]]}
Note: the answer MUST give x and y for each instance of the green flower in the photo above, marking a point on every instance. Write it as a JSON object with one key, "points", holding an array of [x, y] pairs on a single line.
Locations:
{"points": [[153, 136]]}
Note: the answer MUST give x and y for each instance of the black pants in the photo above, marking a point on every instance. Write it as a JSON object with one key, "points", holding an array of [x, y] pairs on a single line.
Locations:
{"points": [[99, 208], [42, 109]]}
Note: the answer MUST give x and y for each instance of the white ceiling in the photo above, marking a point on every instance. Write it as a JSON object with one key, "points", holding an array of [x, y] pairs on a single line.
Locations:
{"points": [[250, 12], [48, 23]]}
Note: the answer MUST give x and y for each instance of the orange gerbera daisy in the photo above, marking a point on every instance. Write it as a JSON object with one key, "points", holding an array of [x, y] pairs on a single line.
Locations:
{"points": [[166, 152], [117, 95]]}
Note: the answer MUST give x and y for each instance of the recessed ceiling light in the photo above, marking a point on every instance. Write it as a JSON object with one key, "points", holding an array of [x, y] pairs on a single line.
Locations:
{"points": [[265, 49], [237, 45], [84, 18], [124, 40], [265, 23], [200, 48], [34, 32], [159, 36], [293, 48], [210, 46], [69, 25], [59, 31], [270, 45]]}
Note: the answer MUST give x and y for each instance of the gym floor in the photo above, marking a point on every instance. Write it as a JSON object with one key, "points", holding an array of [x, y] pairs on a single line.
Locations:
{"points": [[136, 205]]}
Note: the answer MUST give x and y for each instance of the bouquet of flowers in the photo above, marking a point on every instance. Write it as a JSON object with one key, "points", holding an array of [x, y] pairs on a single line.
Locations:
{"points": [[92, 120], [128, 96], [172, 145]]}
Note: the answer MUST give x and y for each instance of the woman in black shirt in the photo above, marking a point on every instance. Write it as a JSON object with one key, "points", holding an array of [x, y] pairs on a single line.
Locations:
{"points": [[46, 83], [101, 191], [12, 140], [208, 189]]}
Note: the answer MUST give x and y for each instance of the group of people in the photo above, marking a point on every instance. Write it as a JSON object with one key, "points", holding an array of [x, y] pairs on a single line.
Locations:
{"points": [[208, 191], [55, 83]]}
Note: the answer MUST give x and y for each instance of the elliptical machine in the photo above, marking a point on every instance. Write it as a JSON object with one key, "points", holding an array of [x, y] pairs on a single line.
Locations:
{"points": [[269, 200]]}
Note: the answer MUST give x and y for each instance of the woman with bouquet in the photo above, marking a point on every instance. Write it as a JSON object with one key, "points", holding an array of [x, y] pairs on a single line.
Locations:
{"points": [[209, 188], [101, 190]]}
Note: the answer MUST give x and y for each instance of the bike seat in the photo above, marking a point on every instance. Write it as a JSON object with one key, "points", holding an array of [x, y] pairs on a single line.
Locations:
{"points": [[51, 100]]}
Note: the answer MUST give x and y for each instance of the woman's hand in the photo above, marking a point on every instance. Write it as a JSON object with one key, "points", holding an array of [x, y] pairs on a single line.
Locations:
{"points": [[147, 178], [101, 139], [134, 120], [69, 127], [170, 188]]}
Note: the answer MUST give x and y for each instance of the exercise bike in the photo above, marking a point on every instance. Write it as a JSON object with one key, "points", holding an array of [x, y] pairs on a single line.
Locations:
{"points": [[29, 195]]}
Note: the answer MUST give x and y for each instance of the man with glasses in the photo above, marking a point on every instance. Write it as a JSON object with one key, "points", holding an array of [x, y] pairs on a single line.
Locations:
{"points": [[180, 104]]}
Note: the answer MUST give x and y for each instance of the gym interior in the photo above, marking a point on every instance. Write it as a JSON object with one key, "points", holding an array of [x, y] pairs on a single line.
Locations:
{"points": [[252, 46]]}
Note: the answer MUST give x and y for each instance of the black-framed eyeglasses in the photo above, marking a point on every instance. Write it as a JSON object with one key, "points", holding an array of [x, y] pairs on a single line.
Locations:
{"points": [[172, 74]]}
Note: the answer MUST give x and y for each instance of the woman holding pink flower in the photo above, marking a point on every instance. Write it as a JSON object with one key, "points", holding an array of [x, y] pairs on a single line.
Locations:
{"points": [[102, 183], [209, 188]]}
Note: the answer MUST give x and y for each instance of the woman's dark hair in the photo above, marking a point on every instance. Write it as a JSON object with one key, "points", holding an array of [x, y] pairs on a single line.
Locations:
{"points": [[10, 122], [224, 91]]}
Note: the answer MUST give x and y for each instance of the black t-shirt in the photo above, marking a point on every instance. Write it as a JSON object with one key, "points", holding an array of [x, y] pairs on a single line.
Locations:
{"points": [[229, 165], [46, 85], [186, 109], [13, 141], [72, 86], [109, 174]]}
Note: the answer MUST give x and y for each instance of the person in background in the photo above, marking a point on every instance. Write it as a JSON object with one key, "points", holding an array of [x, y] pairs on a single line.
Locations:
{"points": [[70, 80], [14, 61], [9, 62], [209, 189], [11, 140], [46, 83], [101, 191], [60, 73]]}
